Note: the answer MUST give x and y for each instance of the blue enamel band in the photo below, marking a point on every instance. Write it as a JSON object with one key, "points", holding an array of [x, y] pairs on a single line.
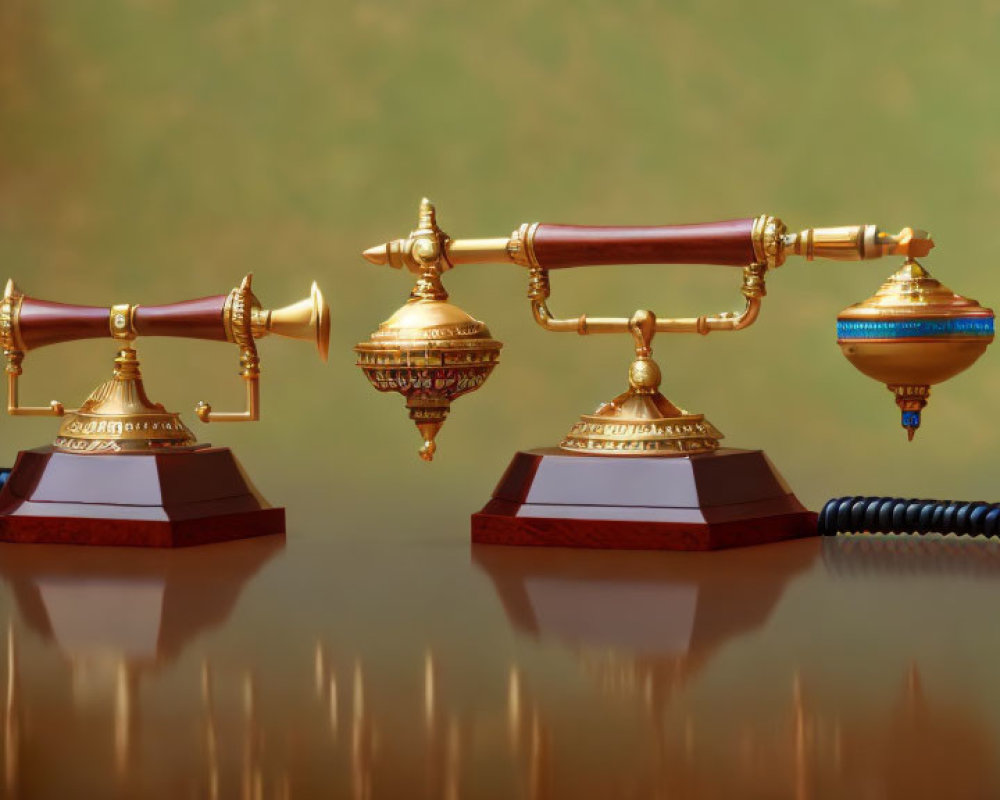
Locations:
{"points": [[914, 328]]}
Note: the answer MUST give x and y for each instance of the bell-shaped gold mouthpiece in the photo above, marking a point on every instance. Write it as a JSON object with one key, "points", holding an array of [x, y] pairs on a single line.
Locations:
{"points": [[307, 320]]}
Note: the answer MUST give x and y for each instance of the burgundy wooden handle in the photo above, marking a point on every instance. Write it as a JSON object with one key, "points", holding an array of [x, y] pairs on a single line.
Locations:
{"points": [[42, 323], [192, 319], [727, 243]]}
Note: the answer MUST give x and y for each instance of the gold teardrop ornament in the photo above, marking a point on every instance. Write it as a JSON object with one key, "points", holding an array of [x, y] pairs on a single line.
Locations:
{"points": [[431, 352], [913, 333]]}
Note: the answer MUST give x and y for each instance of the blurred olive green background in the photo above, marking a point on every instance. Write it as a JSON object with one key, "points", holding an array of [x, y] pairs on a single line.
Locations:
{"points": [[153, 151]]}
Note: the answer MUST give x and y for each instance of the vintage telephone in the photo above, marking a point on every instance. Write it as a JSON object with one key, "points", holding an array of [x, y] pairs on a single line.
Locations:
{"points": [[123, 469], [608, 484]]}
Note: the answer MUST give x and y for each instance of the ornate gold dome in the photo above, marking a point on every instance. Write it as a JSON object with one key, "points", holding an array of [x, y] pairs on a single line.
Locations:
{"points": [[431, 352]]}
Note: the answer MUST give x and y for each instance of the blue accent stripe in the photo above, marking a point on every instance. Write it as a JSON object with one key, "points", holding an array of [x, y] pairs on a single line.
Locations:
{"points": [[913, 328]]}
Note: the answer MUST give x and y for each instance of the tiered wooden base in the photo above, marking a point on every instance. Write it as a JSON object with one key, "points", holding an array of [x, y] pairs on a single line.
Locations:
{"points": [[171, 498], [710, 501]]}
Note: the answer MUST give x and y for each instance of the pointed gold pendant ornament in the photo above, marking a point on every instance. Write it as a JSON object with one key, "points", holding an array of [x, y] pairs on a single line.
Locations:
{"points": [[429, 351], [914, 333]]}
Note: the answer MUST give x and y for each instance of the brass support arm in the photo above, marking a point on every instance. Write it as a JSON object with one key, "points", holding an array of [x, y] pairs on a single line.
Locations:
{"points": [[753, 290], [251, 378], [239, 319], [14, 408], [14, 350]]}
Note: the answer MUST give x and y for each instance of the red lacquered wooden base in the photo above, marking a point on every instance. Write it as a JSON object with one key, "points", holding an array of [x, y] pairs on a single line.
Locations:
{"points": [[158, 499], [729, 498]]}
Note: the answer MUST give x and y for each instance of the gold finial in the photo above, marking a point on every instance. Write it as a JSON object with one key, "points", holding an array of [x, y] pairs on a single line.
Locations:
{"points": [[429, 427], [423, 252], [427, 219], [379, 254], [427, 248]]}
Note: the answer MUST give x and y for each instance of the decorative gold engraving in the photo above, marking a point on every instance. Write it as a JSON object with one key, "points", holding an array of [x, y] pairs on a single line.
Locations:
{"points": [[767, 236], [855, 243], [119, 416], [521, 247], [10, 311], [641, 421], [429, 351], [14, 349]]}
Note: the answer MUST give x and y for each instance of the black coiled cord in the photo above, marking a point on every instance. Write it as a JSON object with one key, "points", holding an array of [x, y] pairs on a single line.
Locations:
{"points": [[897, 515]]}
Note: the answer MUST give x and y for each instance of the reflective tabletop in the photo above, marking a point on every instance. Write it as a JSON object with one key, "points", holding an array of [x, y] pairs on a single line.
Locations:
{"points": [[308, 666]]}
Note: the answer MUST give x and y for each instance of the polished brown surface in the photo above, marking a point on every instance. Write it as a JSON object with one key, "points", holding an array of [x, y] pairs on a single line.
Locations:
{"points": [[323, 665], [707, 501], [192, 319], [705, 243], [172, 497], [43, 323]]}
